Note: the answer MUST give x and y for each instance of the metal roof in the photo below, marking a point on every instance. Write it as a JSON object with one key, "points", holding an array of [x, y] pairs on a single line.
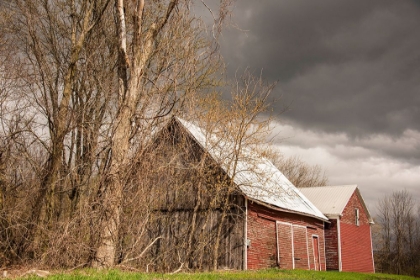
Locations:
{"points": [[256, 176], [332, 200]]}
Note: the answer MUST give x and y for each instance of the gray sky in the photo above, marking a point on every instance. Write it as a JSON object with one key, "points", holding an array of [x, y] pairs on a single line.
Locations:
{"points": [[349, 72]]}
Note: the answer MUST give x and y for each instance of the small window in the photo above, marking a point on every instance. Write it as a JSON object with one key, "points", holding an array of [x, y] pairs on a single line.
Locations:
{"points": [[356, 214]]}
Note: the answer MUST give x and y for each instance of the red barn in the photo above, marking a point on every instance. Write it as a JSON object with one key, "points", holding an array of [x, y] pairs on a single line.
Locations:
{"points": [[272, 223], [348, 239]]}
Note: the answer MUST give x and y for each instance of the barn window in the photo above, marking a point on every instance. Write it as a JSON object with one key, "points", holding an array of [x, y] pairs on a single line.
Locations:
{"points": [[356, 214]]}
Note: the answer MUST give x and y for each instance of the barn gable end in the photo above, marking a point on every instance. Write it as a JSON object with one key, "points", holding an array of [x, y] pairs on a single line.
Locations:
{"points": [[356, 242]]}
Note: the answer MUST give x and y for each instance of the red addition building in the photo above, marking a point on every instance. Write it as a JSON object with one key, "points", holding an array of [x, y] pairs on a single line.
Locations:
{"points": [[348, 242]]}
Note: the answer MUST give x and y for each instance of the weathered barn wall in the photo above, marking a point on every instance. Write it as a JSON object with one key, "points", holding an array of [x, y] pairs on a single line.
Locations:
{"points": [[356, 246], [264, 241], [331, 245], [176, 245]]}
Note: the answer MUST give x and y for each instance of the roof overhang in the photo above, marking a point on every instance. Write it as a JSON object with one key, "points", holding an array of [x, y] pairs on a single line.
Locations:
{"points": [[280, 209], [333, 216]]}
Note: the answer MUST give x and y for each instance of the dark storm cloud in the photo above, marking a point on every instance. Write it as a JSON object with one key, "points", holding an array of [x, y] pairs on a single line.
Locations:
{"points": [[285, 37], [350, 71], [343, 66]]}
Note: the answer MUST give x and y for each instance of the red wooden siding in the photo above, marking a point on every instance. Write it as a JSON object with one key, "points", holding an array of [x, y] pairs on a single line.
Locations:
{"points": [[315, 243], [262, 252], [356, 245], [294, 234], [331, 245]]}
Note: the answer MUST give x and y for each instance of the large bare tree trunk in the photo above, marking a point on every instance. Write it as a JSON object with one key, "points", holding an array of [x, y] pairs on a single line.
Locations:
{"points": [[110, 192]]}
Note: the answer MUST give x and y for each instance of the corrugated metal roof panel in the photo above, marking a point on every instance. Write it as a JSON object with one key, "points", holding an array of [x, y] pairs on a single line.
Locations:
{"points": [[256, 176], [331, 200]]}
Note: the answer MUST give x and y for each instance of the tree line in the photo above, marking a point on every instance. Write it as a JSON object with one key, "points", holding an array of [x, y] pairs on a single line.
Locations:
{"points": [[396, 235]]}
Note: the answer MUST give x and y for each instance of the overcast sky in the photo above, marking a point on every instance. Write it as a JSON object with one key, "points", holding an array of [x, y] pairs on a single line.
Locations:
{"points": [[350, 73]]}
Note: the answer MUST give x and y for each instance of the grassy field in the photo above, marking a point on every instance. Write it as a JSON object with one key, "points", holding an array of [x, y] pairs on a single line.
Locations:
{"points": [[263, 274]]}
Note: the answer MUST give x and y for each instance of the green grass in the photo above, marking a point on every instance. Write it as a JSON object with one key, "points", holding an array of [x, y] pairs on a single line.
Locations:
{"points": [[262, 274]]}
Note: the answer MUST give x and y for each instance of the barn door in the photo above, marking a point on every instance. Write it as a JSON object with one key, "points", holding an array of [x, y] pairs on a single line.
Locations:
{"points": [[285, 245], [300, 247], [315, 246]]}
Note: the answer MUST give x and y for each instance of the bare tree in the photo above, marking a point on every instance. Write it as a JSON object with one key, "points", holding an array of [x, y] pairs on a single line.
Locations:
{"points": [[399, 237], [244, 130], [48, 42], [300, 173]]}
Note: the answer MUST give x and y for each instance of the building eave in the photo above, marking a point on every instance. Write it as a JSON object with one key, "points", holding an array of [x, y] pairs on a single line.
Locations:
{"points": [[276, 208]]}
